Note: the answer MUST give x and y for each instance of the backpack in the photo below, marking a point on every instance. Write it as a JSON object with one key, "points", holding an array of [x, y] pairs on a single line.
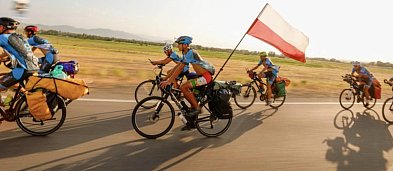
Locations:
{"points": [[279, 89], [69, 67], [219, 105], [20, 44]]}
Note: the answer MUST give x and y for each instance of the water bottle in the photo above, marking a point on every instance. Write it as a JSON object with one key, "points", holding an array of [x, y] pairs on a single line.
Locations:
{"points": [[58, 72], [182, 118]]}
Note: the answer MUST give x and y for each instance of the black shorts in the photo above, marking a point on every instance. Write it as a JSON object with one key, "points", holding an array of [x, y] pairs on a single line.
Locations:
{"points": [[7, 81]]}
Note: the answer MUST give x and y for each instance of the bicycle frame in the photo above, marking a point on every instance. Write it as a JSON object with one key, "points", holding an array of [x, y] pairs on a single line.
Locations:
{"points": [[9, 114]]}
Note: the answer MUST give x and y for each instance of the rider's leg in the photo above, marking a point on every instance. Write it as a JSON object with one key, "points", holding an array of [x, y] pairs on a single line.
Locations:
{"points": [[186, 90]]}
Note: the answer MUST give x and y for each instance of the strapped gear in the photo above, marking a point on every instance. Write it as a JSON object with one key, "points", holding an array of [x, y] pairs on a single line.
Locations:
{"points": [[23, 48], [184, 40]]}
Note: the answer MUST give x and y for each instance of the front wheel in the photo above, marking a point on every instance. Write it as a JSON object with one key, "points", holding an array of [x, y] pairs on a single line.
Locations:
{"points": [[370, 104], [209, 124], [146, 89], [32, 126], [347, 98], [387, 110], [246, 97], [153, 122]]}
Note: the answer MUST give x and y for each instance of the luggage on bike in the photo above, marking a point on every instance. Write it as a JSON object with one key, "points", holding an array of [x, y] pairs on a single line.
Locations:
{"points": [[38, 107], [220, 105], [377, 91], [68, 88], [234, 87], [279, 89], [69, 67], [286, 80]]}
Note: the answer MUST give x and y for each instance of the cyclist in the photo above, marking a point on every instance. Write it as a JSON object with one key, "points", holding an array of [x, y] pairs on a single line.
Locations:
{"points": [[269, 72], [171, 56], [17, 48], [51, 54], [390, 81], [364, 77], [203, 69]]}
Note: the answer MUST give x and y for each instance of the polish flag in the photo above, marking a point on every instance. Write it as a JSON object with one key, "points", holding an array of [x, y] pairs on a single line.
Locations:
{"points": [[271, 28]]}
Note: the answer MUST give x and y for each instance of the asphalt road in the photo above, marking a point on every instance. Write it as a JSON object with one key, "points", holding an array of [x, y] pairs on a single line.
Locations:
{"points": [[302, 135]]}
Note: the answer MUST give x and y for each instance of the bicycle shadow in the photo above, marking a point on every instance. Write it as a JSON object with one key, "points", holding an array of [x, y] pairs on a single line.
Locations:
{"points": [[160, 154], [365, 138], [76, 130]]}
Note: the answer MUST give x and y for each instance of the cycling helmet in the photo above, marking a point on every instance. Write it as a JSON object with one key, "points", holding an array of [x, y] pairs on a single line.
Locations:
{"points": [[184, 40], [31, 28], [9, 23], [263, 54], [167, 47], [355, 63]]}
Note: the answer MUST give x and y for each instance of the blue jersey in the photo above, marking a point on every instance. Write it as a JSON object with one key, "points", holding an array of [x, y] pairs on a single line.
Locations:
{"points": [[19, 51], [176, 58], [269, 64], [41, 43], [363, 71], [193, 57]]}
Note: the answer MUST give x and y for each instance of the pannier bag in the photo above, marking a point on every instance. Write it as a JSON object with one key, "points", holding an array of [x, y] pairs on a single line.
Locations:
{"points": [[280, 89], [69, 88], [286, 80], [234, 87], [70, 67], [377, 92], [220, 105], [38, 106]]}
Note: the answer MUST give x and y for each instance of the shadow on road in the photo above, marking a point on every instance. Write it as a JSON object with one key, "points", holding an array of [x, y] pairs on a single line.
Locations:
{"points": [[160, 154], [365, 138]]}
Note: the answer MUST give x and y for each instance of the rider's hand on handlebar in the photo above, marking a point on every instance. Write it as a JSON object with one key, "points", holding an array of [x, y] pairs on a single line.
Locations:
{"points": [[163, 84]]}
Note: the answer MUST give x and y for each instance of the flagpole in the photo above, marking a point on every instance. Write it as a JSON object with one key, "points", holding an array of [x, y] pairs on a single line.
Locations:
{"points": [[233, 51]]}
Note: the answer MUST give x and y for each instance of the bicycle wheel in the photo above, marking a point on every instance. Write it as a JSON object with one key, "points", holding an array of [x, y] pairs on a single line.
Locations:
{"points": [[154, 122], [210, 125], [146, 89], [246, 97], [371, 103], [32, 126], [347, 98], [277, 101], [387, 110]]}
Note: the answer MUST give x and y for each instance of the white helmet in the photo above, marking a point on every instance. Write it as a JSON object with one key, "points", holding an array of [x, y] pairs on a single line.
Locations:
{"points": [[355, 63], [167, 47]]}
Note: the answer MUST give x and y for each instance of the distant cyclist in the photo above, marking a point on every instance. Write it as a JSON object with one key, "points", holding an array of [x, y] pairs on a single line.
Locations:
{"points": [[51, 54], [364, 77], [19, 51], [269, 72], [203, 69], [390, 81], [171, 56]]}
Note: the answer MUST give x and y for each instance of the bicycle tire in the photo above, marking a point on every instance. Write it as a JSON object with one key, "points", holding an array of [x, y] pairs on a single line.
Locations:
{"points": [[207, 118], [347, 98], [144, 127], [343, 120], [28, 124], [145, 89], [387, 110], [370, 105], [249, 93], [281, 102]]}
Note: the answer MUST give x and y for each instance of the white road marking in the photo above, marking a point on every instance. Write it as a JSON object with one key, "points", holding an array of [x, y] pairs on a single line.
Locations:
{"points": [[256, 103]]}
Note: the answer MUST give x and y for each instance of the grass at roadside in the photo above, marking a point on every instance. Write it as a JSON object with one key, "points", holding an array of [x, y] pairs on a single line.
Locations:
{"points": [[111, 64]]}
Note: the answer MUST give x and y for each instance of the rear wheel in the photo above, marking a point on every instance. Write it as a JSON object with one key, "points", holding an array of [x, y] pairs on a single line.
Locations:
{"points": [[210, 125], [387, 110], [277, 101], [347, 98], [153, 122], [146, 89], [32, 126], [246, 97], [370, 104]]}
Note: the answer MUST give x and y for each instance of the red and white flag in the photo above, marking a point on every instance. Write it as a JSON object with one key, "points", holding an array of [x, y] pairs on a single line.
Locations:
{"points": [[271, 28]]}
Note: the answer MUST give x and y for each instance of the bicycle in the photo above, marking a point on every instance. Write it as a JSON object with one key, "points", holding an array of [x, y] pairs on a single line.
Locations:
{"points": [[19, 111], [248, 93], [387, 107], [354, 92], [156, 122], [151, 87]]}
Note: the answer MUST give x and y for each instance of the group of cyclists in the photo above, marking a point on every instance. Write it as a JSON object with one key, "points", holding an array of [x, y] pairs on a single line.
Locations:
{"points": [[19, 50]]}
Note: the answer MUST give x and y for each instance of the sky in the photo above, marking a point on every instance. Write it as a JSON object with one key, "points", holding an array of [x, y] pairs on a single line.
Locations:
{"points": [[348, 30]]}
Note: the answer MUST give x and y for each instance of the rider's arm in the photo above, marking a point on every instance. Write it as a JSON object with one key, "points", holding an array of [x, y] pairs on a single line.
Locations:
{"points": [[176, 71], [254, 68], [160, 62]]}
